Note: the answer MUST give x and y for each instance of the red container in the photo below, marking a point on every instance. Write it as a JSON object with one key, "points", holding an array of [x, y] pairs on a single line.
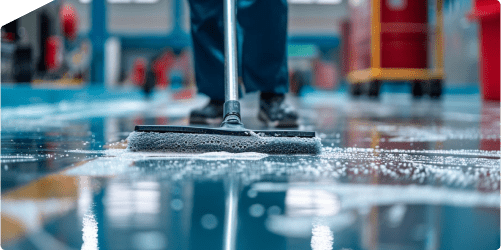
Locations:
{"points": [[325, 74], [404, 34], [360, 37], [139, 72], [53, 53], [487, 12], [161, 68], [345, 48], [69, 21]]}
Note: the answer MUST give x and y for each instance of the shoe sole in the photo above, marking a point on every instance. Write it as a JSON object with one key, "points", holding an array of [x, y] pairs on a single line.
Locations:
{"points": [[275, 124]]}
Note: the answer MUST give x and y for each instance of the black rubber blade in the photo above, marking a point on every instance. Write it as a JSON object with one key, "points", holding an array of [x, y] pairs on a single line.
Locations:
{"points": [[221, 131]]}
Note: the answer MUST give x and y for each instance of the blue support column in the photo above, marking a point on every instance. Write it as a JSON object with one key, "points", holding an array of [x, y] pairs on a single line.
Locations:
{"points": [[98, 36], [178, 11]]}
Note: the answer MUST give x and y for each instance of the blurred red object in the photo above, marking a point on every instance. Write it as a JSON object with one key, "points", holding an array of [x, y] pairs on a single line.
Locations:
{"points": [[489, 126], [183, 94], [487, 12], [139, 120], [162, 120], [360, 36], [345, 48], [184, 62], [325, 75], [404, 34], [53, 53], [8, 36], [69, 21], [161, 67], [139, 72]]}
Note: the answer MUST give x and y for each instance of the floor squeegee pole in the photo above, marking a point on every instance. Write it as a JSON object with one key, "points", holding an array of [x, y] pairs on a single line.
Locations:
{"points": [[232, 118], [230, 51]]}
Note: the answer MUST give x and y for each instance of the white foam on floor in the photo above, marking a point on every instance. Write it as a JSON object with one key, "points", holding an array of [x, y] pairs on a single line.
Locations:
{"points": [[450, 168], [354, 196], [16, 159], [89, 232], [105, 166], [219, 156], [120, 161], [453, 152], [211, 156], [322, 237]]}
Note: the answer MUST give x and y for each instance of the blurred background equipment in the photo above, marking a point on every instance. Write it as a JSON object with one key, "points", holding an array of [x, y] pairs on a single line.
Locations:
{"points": [[333, 45], [53, 54], [388, 41], [487, 13], [44, 30], [69, 21], [17, 53]]}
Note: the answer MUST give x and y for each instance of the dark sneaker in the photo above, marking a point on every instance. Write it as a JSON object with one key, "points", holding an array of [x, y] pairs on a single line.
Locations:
{"points": [[211, 114], [275, 112]]}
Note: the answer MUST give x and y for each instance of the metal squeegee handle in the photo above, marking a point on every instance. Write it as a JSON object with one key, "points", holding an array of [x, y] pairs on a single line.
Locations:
{"points": [[231, 105], [230, 51]]}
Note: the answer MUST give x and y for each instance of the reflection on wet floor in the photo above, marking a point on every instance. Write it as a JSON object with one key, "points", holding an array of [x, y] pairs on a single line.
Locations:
{"points": [[393, 174]]}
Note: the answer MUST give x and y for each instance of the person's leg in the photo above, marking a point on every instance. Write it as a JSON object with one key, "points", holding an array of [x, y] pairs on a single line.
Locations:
{"points": [[207, 32], [264, 58], [264, 48]]}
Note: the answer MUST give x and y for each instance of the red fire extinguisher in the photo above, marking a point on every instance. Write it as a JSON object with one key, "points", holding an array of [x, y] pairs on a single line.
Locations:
{"points": [[53, 53]]}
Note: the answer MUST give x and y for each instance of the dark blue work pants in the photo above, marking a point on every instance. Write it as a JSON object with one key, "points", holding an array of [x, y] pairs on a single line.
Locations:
{"points": [[262, 34]]}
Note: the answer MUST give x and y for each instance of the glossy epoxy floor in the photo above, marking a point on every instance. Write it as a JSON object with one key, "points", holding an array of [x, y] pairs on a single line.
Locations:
{"points": [[394, 174]]}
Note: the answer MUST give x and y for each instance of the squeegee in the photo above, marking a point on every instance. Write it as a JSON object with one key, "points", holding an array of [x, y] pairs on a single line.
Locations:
{"points": [[232, 136]]}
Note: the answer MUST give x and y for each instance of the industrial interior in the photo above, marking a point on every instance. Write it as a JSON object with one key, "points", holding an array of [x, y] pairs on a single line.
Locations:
{"points": [[401, 99]]}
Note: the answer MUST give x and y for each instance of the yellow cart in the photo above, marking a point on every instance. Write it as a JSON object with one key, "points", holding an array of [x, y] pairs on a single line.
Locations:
{"points": [[369, 79]]}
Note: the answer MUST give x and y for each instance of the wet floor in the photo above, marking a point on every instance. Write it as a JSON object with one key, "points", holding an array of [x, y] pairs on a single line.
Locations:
{"points": [[396, 173]]}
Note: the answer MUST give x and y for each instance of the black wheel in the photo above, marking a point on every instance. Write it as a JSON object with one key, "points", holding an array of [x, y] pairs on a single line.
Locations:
{"points": [[436, 88], [374, 88], [417, 88], [355, 89]]}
